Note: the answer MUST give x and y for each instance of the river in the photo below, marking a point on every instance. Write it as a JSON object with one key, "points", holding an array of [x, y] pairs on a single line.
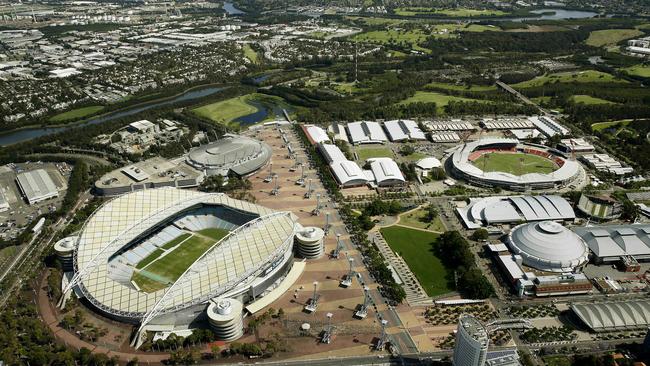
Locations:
{"points": [[231, 10], [556, 14], [32, 133]]}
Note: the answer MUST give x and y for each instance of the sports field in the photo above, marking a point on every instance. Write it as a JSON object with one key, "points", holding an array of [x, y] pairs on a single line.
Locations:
{"points": [[162, 267], [514, 163], [76, 113], [417, 248], [227, 110]]}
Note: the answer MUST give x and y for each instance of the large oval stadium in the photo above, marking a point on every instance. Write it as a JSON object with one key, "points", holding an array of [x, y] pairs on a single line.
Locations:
{"points": [[159, 256], [509, 164]]}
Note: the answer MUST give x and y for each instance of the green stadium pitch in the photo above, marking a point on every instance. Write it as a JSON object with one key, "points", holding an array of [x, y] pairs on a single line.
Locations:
{"points": [[164, 266], [514, 163]]}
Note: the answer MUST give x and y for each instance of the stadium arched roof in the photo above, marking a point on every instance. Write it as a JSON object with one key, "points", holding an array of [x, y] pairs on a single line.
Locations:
{"points": [[460, 161], [548, 246], [227, 263], [610, 316]]}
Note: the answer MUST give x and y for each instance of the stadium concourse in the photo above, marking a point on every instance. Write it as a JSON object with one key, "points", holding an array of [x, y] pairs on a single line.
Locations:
{"points": [[513, 165], [157, 257]]}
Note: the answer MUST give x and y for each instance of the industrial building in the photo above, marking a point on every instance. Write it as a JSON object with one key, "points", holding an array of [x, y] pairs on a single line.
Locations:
{"points": [[614, 316], [452, 125], [249, 263], [506, 124], [366, 132], [385, 172], [347, 173], [445, 137], [606, 163], [613, 243], [548, 126], [152, 173], [579, 145], [497, 210], [461, 166], [338, 131], [36, 186], [548, 246], [316, 134], [235, 154], [403, 130]]}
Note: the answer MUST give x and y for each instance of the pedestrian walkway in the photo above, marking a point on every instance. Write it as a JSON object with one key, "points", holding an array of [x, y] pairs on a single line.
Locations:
{"points": [[415, 294]]}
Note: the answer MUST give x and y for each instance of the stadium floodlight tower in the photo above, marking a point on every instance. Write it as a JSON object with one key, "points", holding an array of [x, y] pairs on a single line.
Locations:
{"points": [[316, 211], [301, 180], [294, 167], [326, 228], [339, 245], [269, 177], [313, 302], [310, 190], [347, 279], [363, 310], [327, 332], [276, 188], [383, 339]]}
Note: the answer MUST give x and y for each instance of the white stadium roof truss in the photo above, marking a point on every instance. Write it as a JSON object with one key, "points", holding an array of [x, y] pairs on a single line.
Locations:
{"points": [[276, 224]]}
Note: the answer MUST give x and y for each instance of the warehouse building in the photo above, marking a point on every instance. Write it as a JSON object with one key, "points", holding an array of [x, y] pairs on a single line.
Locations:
{"points": [[347, 173], [514, 209], [386, 172], [36, 186], [614, 316], [548, 126], [403, 130], [316, 134], [613, 243], [366, 133]]}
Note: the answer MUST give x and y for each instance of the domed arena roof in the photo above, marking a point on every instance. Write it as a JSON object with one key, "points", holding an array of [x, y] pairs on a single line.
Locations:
{"points": [[242, 155], [548, 246]]}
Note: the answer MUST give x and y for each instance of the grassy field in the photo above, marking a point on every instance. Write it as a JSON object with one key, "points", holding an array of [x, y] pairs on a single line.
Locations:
{"points": [[416, 219], [215, 234], [638, 70], [250, 53], [512, 163], [559, 360], [417, 248], [162, 271], [76, 113], [414, 157], [610, 37], [588, 99], [365, 153], [599, 126], [227, 110], [441, 100], [411, 37], [588, 76], [460, 12]]}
